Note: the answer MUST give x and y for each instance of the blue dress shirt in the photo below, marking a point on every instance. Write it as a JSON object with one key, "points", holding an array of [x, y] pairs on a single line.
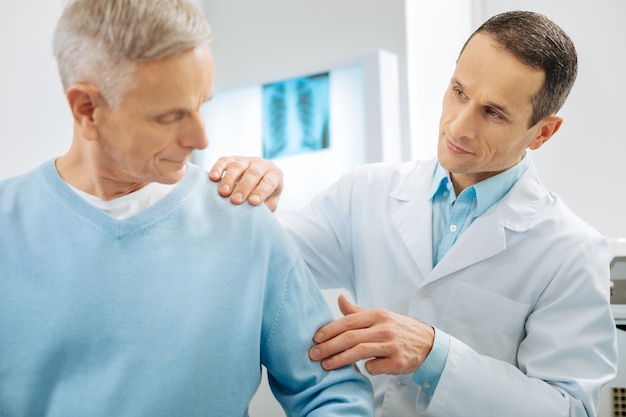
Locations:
{"points": [[452, 215]]}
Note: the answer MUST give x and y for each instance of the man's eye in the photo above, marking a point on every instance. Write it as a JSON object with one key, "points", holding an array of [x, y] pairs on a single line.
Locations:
{"points": [[170, 117], [492, 113], [459, 93]]}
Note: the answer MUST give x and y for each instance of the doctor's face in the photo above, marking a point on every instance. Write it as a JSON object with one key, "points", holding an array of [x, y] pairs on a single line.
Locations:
{"points": [[485, 114], [151, 135]]}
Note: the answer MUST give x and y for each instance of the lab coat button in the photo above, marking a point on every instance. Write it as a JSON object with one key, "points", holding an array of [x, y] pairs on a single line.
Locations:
{"points": [[427, 385], [453, 228]]}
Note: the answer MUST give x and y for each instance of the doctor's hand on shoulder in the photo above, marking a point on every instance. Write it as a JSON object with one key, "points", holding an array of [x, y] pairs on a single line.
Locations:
{"points": [[251, 179]]}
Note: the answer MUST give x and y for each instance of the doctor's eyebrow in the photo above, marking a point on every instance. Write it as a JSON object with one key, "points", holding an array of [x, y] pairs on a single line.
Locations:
{"points": [[499, 107]]}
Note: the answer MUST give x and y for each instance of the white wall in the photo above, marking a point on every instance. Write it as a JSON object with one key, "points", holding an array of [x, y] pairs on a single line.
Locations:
{"points": [[36, 122], [256, 41], [435, 33], [363, 125]]}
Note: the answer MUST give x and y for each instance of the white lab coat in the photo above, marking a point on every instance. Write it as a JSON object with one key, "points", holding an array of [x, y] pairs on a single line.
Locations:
{"points": [[524, 292]]}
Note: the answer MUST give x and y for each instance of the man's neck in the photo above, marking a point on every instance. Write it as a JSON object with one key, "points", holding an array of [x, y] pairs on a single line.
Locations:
{"points": [[85, 176]]}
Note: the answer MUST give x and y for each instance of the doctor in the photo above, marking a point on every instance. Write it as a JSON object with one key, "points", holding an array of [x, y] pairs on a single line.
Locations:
{"points": [[480, 293]]}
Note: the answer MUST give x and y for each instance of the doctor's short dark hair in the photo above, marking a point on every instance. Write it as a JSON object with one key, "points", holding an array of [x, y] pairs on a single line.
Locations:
{"points": [[541, 44]]}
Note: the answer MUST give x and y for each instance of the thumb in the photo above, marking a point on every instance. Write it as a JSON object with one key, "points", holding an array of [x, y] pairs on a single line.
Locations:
{"points": [[346, 307]]}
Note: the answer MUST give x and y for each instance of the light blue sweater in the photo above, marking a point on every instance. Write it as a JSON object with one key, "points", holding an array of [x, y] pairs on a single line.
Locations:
{"points": [[170, 312]]}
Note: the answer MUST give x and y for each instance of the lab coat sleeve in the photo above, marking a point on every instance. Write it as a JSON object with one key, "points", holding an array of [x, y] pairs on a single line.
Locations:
{"points": [[566, 357], [321, 232]]}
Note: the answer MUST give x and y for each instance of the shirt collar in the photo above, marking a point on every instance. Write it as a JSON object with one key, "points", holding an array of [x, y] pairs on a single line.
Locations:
{"points": [[488, 192], [440, 183]]}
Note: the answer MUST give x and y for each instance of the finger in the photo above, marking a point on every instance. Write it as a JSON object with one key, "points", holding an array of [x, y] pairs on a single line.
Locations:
{"points": [[378, 366], [267, 191], [350, 321], [231, 176], [346, 307], [219, 167], [247, 181], [261, 180], [349, 356], [337, 345], [358, 334], [361, 320]]}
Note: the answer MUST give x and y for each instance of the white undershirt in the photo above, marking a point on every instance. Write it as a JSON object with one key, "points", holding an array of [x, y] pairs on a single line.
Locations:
{"points": [[129, 204]]}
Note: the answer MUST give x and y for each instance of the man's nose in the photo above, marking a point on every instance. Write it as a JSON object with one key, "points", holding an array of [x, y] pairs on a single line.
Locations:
{"points": [[195, 136], [463, 125]]}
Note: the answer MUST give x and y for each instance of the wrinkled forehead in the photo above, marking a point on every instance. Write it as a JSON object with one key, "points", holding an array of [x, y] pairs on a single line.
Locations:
{"points": [[183, 78]]}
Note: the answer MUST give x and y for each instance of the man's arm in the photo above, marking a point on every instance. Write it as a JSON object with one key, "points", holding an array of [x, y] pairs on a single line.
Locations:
{"points": [[293, 308], [251, 179]]}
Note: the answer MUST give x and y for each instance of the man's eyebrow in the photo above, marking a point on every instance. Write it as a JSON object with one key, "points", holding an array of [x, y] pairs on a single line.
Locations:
{"points": [[499, 107], [174, 110], [179, 109]]}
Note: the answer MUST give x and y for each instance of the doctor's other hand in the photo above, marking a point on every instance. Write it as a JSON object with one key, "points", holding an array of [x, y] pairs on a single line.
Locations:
{"points": [[391, 343], [254, 179]]}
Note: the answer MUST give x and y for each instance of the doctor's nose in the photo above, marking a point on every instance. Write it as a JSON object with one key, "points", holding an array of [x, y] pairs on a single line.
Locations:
{"points": [[464, 123]]}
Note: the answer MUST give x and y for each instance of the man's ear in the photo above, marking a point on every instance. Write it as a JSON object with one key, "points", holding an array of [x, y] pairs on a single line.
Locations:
{"points": [[84, 99], [547, 128]]}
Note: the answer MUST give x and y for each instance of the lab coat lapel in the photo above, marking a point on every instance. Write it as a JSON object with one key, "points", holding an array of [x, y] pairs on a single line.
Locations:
{"points": [[486, 236], [412, 215], [483, 239]]}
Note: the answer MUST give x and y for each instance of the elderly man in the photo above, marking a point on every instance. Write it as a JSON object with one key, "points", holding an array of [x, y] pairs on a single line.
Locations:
{"points": [[128, 287]]}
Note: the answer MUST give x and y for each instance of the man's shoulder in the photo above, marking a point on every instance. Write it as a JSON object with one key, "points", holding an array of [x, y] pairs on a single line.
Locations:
{"points": [[405, 178], [392, 172], [400, 168], [12, 187], [204, 193], [531, 205]]}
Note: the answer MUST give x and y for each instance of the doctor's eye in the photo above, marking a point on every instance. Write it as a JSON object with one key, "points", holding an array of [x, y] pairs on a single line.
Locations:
{"points": [[494, 114], [458, 93]]}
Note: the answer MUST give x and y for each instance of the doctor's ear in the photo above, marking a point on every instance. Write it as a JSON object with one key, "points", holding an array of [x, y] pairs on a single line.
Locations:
{"points": [[547, 128], [84, 99]]}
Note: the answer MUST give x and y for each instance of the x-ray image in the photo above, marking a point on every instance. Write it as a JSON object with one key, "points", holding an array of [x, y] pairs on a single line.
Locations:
{"points": [[296, 116]]}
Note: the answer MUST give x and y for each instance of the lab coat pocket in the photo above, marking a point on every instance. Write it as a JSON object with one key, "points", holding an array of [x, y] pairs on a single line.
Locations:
{"points": [[491, 324]]}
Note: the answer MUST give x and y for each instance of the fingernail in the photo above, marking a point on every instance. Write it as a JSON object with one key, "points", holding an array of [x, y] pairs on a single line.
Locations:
{"points": [[225, 188], [255, 199], [238, 197], [315, 353], [327, 364], [214, 174], [319, 336]]}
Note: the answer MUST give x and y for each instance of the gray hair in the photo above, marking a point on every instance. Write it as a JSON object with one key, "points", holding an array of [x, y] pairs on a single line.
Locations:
{"points": [[102, 41]]}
